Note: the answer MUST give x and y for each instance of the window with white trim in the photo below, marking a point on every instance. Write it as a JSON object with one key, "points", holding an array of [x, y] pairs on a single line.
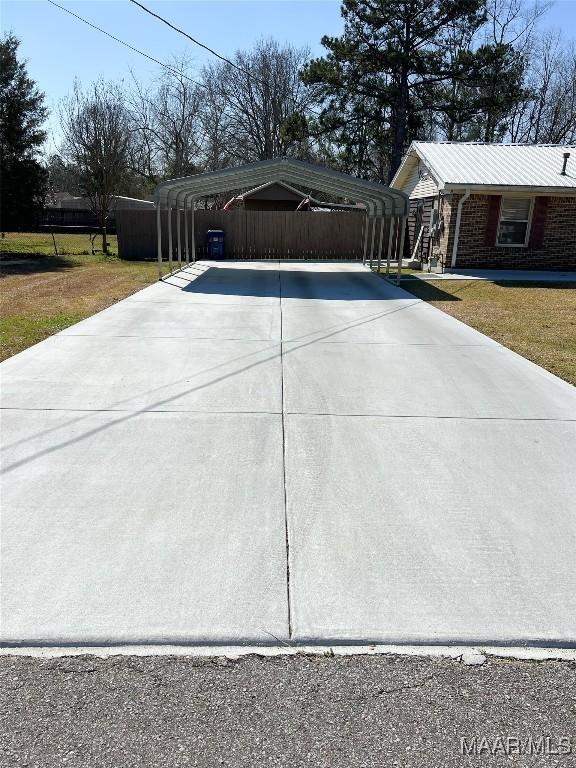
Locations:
{"points": [[514, 224]]}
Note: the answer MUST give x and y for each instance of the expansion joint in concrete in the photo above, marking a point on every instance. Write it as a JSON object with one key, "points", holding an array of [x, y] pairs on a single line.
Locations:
{"points": [[286, 529]]}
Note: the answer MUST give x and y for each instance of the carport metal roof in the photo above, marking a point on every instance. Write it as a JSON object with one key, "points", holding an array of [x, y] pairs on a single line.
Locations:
{"points": [[380, 200]]}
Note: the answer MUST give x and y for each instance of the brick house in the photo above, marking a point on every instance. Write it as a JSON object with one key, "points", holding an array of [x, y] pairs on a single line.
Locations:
{"points": [[502, 206]]}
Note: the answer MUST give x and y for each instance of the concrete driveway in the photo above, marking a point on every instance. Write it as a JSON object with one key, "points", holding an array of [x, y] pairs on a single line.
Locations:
{"points": [[275, 452]]}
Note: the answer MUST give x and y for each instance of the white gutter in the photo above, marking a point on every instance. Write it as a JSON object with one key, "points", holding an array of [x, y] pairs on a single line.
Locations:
{"points": [[457, 228], [508, 189]]}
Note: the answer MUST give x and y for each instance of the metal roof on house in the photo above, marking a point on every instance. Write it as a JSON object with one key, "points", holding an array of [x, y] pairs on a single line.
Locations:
{"points": [[463, 164]]}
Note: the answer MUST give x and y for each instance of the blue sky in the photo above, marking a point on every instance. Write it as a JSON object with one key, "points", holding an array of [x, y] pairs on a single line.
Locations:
{"points": [[59, 48]]}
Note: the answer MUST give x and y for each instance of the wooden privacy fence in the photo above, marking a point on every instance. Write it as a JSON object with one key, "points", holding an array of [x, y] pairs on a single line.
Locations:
{"points": [[249, 234]]}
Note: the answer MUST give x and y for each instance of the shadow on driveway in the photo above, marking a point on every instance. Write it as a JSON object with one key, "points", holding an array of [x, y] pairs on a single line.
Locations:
{"points": [[347, 285]]}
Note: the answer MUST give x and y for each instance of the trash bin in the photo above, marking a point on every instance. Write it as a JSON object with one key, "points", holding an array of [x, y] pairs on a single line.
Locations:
{"points": [[215, 242]]}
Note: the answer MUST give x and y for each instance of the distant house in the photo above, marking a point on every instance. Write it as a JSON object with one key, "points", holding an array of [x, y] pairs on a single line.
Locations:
{"points": [[274, 196], [119, 203], [491, 205], [69, 213]]}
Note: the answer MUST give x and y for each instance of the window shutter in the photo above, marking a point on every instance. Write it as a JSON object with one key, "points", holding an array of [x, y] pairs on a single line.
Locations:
{"points": [[492, 219], [538, 222]]}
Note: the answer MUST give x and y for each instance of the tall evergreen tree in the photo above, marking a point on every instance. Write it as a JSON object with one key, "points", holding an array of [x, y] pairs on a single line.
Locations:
{"points": [[22, 114], [395, 66]]}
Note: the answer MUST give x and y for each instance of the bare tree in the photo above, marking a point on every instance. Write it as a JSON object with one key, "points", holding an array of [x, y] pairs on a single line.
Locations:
{"points": [[96, 139], [481, 106], [513, 22], [548, 115], [216, 121], [165, 123], [143, 148], [253, 97]]}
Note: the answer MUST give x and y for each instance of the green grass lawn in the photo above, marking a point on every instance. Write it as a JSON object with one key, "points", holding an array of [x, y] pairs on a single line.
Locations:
{"points": [[42, 294], [42, 244], [536, 320]]}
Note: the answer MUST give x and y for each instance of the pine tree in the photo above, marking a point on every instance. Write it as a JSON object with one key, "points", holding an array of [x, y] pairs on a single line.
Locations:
{"points": [[394, 67], [22, 114]]}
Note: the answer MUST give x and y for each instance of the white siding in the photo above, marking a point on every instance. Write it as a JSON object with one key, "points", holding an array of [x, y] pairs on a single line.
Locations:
{"points": [[420, 183]]}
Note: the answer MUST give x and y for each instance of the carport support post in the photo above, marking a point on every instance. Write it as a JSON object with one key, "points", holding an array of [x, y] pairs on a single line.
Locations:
{"points": [[364, 238], [403, 221], [178, 234], [380, 242], [186, 243], [390, 241], [169, 237], [193, 235], [159, 238], [372, 240]]}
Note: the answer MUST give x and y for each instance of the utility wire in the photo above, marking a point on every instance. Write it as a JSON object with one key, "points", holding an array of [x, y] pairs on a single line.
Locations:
{"points": [[196, 42], [161, 63], [210, 50], [127, 45]]}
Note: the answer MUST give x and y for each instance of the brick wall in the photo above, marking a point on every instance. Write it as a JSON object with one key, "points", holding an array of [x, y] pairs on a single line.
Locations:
{"points": [[557, 250]]}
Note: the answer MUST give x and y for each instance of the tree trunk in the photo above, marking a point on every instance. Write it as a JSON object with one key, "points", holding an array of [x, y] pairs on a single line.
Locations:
{"points": [[400, 115], [104, 238], [400, 123]]}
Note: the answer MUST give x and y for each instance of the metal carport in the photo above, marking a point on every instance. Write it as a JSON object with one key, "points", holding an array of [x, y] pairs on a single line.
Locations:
{"points": [[179, 195]]}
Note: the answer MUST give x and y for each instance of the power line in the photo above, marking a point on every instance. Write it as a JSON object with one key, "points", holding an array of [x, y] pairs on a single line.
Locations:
{"points": [[161, 63], [127, 45], [193, 39], [210, 50]]}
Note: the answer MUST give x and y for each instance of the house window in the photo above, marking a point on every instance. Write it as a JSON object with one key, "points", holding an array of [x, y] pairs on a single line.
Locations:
{"points": [[514, 224]]}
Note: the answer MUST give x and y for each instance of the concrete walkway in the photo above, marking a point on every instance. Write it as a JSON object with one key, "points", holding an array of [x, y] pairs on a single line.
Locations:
{"points": [[499, 275], [263, 452]]}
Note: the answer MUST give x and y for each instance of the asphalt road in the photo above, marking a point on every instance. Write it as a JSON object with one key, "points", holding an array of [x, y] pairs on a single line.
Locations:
{"points": [[325, 712]]}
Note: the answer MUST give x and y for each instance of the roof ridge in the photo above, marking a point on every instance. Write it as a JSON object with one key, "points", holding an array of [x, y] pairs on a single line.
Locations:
{"points": [[494, 144]]}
